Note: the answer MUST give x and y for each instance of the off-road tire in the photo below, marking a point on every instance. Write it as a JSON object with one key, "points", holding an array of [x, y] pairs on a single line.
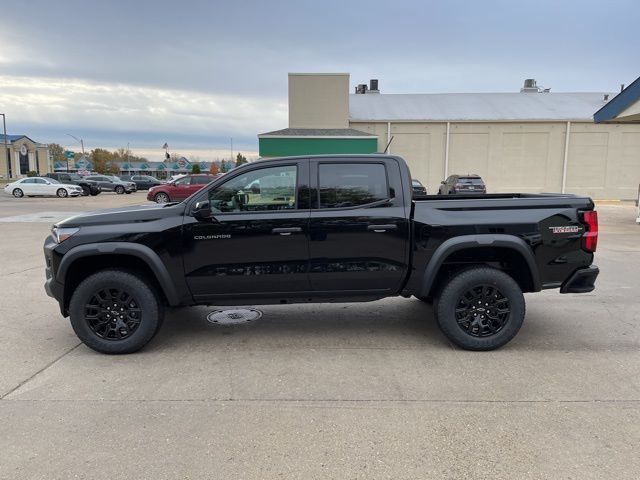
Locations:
{"points": [[146, 299], [450, 298]]}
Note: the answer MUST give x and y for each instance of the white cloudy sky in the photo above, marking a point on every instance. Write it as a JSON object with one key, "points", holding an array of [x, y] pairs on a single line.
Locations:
{"points": [[195, 73]]}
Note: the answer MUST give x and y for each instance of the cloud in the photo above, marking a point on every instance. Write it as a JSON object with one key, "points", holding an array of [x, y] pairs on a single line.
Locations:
{"points": [[186, 118]]}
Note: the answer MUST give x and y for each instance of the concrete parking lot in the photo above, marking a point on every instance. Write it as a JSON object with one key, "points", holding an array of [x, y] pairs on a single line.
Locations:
{"points": [[366, 391]]}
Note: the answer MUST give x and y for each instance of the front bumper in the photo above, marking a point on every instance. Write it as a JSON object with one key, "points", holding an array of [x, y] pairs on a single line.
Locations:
{"points": [[53, 288], [581, 281]]}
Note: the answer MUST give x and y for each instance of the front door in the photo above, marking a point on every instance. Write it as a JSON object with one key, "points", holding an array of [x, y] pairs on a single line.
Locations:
{"points": [[359, 232], [181, 189], [257, 242]]}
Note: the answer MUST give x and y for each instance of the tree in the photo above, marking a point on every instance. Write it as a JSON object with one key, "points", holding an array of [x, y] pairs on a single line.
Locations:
{"points": [[223, 166], [57, 152], [214, 170], [125, 155], [240, 159], [104, 161], [195, 168]]}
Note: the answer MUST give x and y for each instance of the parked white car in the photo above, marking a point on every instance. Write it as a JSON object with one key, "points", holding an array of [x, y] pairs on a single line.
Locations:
{"points": [[39, 186]]}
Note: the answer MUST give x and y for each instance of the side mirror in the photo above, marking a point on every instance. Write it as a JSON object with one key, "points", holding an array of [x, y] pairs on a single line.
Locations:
{"points": [[443, 182], [47, 182], [202, 211]]}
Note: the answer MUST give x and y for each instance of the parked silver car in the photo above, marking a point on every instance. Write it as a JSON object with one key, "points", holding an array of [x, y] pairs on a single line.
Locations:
{"points": [[111, 183]]}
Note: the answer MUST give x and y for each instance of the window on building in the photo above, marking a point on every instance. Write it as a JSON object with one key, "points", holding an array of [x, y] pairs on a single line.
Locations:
{"points": [[352, 184], [24, 163]]}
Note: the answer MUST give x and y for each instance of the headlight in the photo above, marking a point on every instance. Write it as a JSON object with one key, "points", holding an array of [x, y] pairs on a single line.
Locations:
{"points": [[60, 234]]}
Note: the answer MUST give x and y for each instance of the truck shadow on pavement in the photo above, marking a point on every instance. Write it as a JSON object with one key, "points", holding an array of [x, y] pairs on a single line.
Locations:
{"points": [[383, 324]]}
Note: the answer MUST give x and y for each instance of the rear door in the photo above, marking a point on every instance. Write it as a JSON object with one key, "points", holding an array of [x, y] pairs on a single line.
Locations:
{"points": [[28, 187], [359, 228], [198, 182]]}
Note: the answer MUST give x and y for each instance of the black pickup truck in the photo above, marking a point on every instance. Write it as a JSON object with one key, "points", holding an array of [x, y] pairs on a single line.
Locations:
{"points": [[320, 229], [89, 187]]}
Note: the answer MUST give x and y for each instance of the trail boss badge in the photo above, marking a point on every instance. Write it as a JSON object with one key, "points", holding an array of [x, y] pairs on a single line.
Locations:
{"points": [[565, 229]]}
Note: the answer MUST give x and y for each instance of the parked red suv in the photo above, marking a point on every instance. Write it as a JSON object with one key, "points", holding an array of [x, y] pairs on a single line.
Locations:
{"points": [[179, 189]]}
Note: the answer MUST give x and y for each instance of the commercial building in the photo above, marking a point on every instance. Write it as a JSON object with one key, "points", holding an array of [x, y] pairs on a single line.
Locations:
{"points": [[161, 170], [533, 140], [21, 155]]}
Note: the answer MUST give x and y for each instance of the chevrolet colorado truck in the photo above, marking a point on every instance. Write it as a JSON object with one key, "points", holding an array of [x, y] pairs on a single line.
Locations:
{"points": [[320, 229]]}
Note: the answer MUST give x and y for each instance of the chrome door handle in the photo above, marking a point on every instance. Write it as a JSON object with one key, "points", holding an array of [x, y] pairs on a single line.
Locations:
{"points": [[382, 228], [287, 231]]}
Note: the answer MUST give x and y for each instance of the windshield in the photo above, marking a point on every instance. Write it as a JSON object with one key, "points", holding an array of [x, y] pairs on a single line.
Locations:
{"points": [[53, 180], [75, 176], [416, 183]]}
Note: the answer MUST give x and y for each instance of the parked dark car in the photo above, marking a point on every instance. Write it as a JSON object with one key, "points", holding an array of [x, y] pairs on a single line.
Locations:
{"points": [[417, 188], [111, 183], [462, 184], [321, 229], [89, 187], [179, 189], [143, 182]]}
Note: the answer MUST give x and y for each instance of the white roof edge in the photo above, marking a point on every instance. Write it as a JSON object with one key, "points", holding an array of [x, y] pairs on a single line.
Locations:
{"points": [[348, 137], [324, 74], [471, 120]]}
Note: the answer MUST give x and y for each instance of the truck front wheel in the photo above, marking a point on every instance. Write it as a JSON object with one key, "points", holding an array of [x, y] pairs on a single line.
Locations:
{"points": [[114, 311], [480, 309]]}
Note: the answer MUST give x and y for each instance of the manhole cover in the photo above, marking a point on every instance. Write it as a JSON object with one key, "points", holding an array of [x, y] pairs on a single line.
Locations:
{"points": [[234, 316]]}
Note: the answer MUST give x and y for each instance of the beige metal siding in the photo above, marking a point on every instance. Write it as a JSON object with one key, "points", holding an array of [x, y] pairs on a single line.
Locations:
{"points": [[318, 100], [603, 160]]}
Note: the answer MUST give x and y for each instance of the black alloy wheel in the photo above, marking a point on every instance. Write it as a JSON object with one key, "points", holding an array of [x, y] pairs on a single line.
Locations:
{"points": [[113, 313], [482, 311], [480, 308]]}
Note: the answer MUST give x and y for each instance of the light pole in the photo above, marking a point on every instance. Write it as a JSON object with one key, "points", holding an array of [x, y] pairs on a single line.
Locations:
{"points": [[6, 145], [79, 140], [231, 159]]}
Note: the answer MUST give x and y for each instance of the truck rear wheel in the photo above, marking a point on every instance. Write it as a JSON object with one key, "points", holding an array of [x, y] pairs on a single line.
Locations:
{"points": [[480, 309], [114, 311]]}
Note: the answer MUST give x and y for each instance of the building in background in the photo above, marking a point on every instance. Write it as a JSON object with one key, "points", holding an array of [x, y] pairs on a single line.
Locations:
{"points": [[318, 120], [22, 156], [534, 140]]}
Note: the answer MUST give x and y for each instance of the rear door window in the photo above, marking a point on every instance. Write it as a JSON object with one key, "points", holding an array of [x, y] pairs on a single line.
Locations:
{"points": [[200, 180], [343, 185]]}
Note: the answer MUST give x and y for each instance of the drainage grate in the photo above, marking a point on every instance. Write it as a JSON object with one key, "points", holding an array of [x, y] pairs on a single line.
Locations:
{"points": [[234, 316]]}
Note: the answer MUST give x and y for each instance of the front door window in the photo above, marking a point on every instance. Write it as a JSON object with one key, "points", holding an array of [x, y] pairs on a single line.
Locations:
{"points": [[266, 189]]}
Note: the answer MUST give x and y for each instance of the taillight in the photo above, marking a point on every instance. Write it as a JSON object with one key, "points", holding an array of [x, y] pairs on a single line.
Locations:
{"points": [[590, 237]]}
